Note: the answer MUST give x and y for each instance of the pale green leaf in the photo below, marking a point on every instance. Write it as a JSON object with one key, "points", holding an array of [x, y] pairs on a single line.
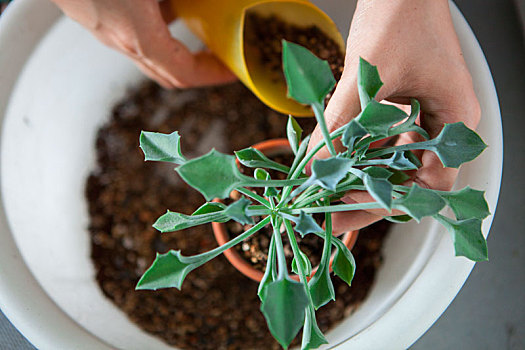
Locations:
{"points": [[344, 264], [294, 133], [237, 211], [172, 221], [209, 207], [457, 144], [306, 224], [467, 237], [378, 118], [269, 273], [312, 335], [161, 147], [368, 81], [467, 203], [306, 265], [284, 309], [214, 175], [328, 172], [398, 219], [309, 78], [321, 287], [420, 202], [353, 133], [167, 271]]}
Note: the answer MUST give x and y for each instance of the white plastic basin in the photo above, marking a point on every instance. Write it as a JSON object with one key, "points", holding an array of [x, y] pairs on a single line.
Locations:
{"points": [[57, 86]]}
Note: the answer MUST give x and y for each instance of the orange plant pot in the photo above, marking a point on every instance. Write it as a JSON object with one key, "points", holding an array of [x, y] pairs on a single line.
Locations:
{"points": [[269, 148]]}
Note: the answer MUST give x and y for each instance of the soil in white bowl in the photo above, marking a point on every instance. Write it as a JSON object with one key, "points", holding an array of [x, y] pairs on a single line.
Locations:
{"points": [[218, 307]]}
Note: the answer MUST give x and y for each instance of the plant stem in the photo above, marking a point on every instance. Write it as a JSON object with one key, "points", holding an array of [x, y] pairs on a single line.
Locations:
{"points": [[308, 192], [336, 208], [249, 182], [281, 259], [318, 109], [401, 148], [209, 255], [327, 247], [257, 210], [254, 196]]}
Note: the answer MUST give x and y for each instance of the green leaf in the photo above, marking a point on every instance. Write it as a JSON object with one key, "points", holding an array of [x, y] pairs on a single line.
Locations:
{"points": [[294, 133], [410, 124], [360, 152], [284, 309], [398, 219], [237, 211], [328, 172], [301, 152], [376, 182], [402, 161], [209, 207], [321, 287], [214, 175], [467, 203], [398, 177], [380, 190], [253, 158], [161, 147], [172, 221], [261, 174], [420, 202], [167, 271], [457, 144], [378, 172], [269, 273], [306, 224], [312, 335], [309, 78], [344, 264], [368, 82], [377, 118], [353, 132], [305, 264], [467, 237]]}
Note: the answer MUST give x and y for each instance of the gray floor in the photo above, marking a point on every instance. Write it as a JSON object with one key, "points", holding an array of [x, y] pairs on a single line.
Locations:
{"points": [[489, 312]]}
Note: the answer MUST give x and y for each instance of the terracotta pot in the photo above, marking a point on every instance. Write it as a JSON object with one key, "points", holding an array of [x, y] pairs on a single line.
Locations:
{"points": [[269, 148]]}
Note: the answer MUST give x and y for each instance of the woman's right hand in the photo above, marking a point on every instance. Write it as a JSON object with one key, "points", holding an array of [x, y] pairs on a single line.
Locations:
{"points": [[138, 29]]}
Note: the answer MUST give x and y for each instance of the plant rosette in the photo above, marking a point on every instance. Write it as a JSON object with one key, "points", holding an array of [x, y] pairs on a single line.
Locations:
{"points": [[269, 148], [289, 305]]}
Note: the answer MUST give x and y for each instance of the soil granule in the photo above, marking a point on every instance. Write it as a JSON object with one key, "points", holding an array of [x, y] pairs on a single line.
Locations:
{"points": [[265, 34], [218, 307]]}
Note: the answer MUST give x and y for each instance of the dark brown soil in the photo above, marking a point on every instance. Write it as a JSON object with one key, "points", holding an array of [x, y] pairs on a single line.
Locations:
{"points": [[218, 308], [265, 34]]}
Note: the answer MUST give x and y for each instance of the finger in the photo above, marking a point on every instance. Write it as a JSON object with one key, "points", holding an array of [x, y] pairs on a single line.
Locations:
{"points": [[352, 220], [167, 11], [154, 46], [151, 73], [175, 63]]}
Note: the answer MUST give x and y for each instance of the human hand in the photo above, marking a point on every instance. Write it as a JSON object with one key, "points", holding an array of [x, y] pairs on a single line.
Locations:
{"points": [[138, 29], [417, 52]]}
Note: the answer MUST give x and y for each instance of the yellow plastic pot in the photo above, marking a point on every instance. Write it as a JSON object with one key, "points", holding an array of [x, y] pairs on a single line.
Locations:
{"points": [[220, 25]]}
